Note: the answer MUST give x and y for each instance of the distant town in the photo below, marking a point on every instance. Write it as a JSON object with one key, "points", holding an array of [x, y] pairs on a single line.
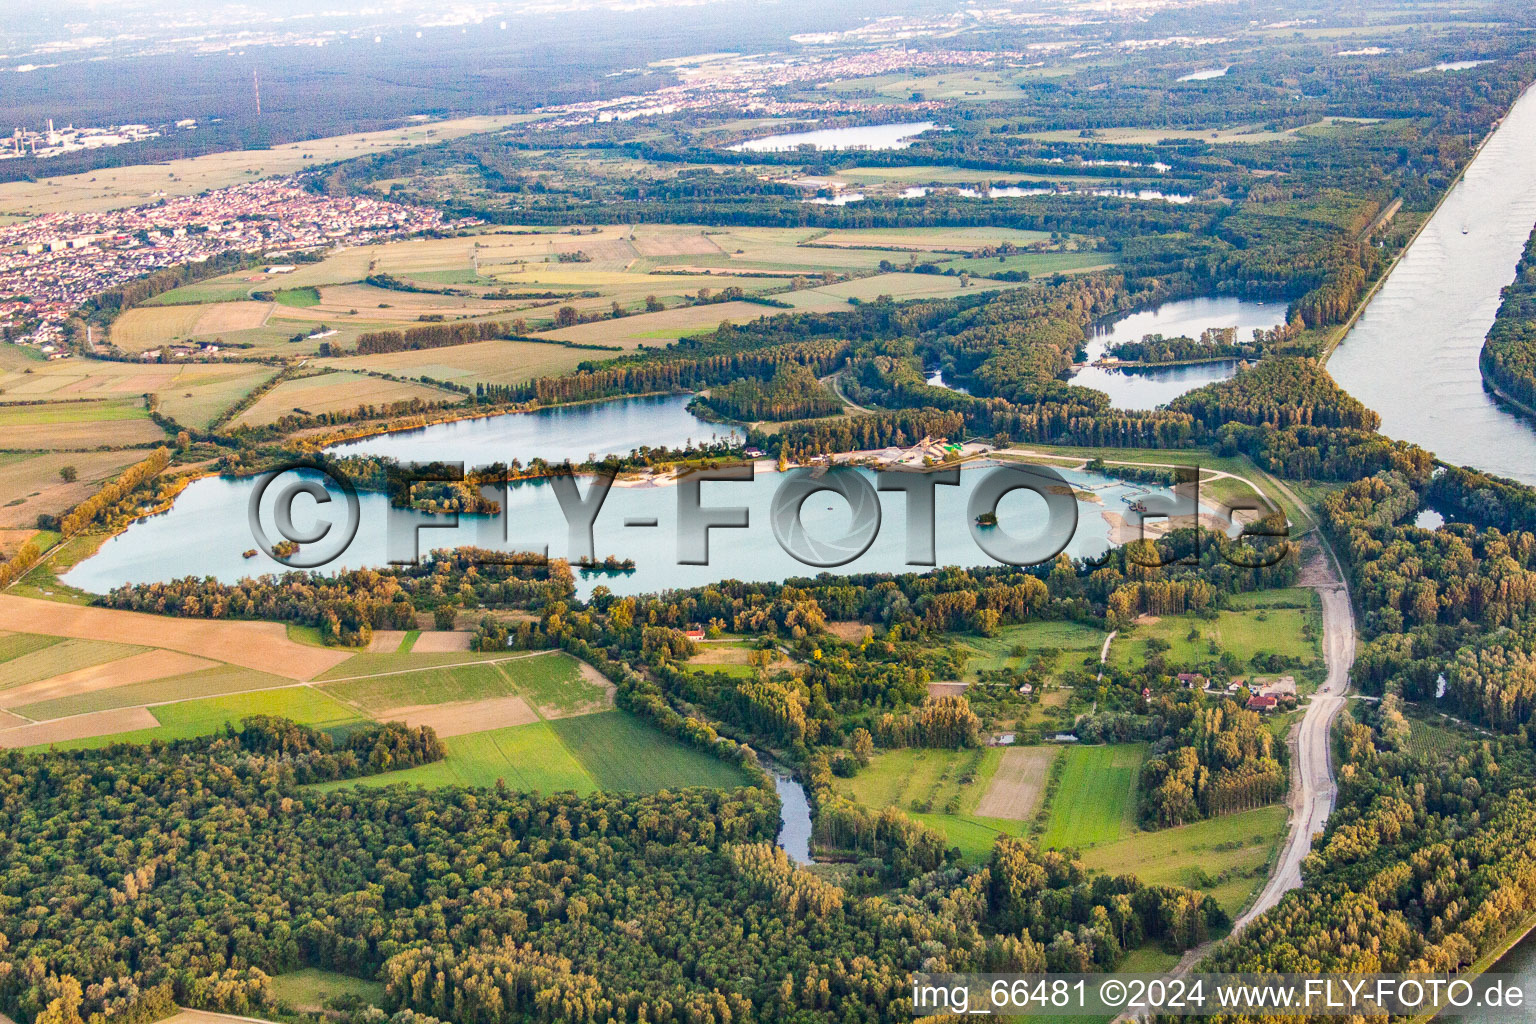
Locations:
{"points": [[51, 265]]}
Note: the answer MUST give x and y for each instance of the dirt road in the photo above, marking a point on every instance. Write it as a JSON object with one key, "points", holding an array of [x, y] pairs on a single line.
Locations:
{"points": [[1312, 784], [1313, 790]]}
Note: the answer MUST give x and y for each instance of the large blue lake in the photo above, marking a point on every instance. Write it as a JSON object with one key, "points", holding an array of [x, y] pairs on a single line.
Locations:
{"points": [[207, 532]]}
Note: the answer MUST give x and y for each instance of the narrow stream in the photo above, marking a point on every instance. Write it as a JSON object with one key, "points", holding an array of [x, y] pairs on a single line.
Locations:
{"points": [[794, 818]]}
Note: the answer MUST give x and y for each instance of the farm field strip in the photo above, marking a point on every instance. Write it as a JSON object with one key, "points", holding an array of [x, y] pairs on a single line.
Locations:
{"points": [[1096, 799], [1226, 856], [210, 682], [67, 656], [263, 646], [1018, 784], [335, 392], [119, 671]]}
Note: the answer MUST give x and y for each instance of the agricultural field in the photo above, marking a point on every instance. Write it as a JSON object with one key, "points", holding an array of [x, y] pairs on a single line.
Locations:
{"points": [[377, 694], [14, 645], [491, 362], [1436, 735], [998, 651], [157, 689], [263, 646], [513, 273], [732, 657], [656, 329], [1039, 264], [310, 990], [454, 697], [373, 663], [73, 425], [946, 790], [1227, 857], [898, 286], [1096, 799], [334, 392], [189, 718], [558, 685], [1276, 626], [150, 327], [117, 187], [55, 659], [31, 484], [610, 750], [541, 721], [1018, 784], [924, 239], [526, 757], [623, 753], [190, 393]]}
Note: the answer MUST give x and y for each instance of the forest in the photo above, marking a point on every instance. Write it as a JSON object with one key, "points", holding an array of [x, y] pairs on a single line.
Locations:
{"points": [[1508, 358], [211, 868]]}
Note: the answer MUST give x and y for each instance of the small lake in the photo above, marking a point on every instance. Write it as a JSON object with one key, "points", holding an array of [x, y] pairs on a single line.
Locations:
{"points": [[1206, 75], [936, 379], [574, 432], [206, 532], [869, 136], [1019, 191], [1147, 389], [1452, 65]]}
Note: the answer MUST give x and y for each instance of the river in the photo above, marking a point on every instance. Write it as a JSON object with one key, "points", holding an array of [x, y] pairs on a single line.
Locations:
{"points": [[794, 818], [1520, 962], [1412, 355]]}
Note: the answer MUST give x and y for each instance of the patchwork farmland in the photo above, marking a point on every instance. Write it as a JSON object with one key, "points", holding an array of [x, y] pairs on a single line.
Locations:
{"points": [[537, 720]]}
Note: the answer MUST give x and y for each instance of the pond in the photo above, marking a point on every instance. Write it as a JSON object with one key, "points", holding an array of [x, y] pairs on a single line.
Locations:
{"points": [[936, 379], [794, 818], [1206, 75], [1019, 191], [1452, 65], [1149, 388], [206, 532], [869, 136]]}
